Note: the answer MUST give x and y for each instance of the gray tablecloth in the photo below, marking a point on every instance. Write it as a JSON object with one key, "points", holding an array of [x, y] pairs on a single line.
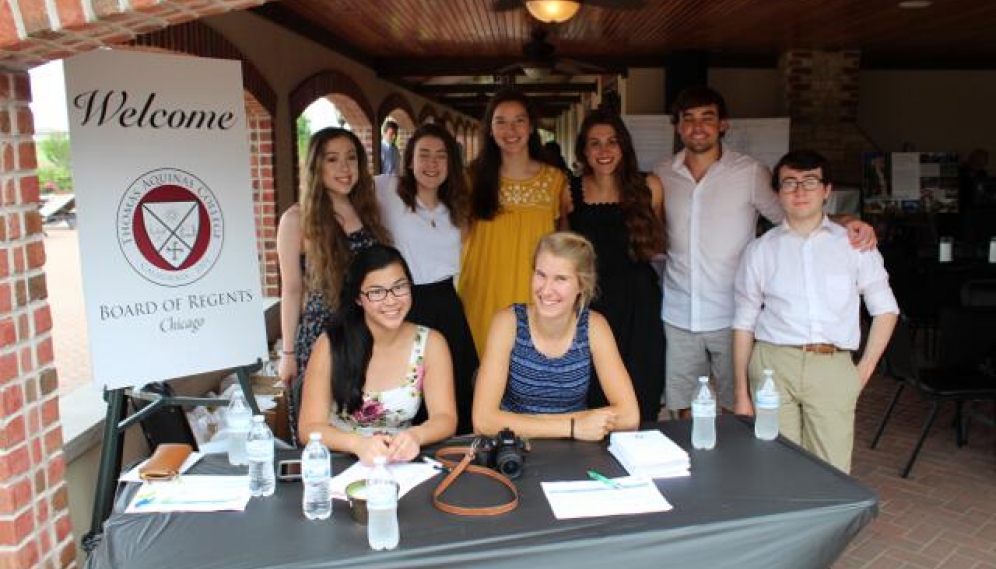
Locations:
{"points": [[747, 504]]}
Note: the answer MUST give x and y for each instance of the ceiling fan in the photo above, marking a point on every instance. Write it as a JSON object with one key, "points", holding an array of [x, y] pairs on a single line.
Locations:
{"points": [[558, 11], [541, 61]]}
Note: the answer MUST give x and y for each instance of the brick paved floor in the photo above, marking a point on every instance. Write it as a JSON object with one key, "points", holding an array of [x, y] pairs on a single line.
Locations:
{"points": [[944, 514]]}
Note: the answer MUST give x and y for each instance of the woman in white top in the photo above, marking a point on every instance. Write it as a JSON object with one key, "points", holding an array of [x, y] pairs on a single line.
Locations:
{"points": [[425, 210], [371, 369]]}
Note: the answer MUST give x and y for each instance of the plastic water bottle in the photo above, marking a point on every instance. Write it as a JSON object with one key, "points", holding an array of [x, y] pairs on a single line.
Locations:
{"points": [[237, 421], [316, 474], [704, 417], [259, 449], [382, 507], [766, 420]]}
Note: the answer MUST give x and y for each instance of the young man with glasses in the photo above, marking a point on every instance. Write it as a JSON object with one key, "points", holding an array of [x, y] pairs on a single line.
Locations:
{"points": [[712, 198], [797, 305]]}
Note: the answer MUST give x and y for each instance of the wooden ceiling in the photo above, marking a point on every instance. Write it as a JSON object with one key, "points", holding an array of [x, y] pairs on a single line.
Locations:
{"points": [[417, 42]]}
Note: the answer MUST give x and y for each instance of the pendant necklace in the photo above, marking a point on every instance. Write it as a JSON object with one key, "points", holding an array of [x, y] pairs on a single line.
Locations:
{"points": [[430, 216]]}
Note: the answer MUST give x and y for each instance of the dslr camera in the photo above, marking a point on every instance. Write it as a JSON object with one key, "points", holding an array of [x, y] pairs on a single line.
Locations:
{"points": [[504, 453]]}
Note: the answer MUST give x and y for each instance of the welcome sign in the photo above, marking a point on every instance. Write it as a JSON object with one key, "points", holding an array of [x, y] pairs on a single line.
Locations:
{"points": [[165, 215]]}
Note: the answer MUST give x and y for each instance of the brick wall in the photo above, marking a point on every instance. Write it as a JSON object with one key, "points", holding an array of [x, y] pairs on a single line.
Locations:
{"points": [[34, 520], [821, 90], [264, 193]]}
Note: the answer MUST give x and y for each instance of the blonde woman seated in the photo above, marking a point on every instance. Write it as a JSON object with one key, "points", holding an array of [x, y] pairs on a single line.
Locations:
{"points": [[538, 360], [370, 370]]}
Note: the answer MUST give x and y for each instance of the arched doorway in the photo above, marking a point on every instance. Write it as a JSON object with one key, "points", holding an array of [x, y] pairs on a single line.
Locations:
{"points": [[347, 97]]}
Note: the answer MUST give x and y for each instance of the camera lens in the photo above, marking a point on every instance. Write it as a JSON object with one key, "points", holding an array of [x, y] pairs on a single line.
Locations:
{"points": [[509, 462]]}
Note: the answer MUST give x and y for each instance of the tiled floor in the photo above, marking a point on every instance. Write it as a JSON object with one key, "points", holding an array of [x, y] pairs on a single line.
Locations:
{"points": [[944, 514]]}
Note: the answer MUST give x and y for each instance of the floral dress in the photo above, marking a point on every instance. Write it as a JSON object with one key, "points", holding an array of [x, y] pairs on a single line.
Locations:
{"points": [[314, 319], [392, 410]]}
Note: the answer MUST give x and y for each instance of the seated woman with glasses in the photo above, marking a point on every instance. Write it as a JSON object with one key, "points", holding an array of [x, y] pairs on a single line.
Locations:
{"points": [[370, 369], [539, 357]]}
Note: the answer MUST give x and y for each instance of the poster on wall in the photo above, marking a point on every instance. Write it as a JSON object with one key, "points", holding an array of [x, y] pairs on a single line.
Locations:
{"points": [[167, 240], [909, 182], [905, 176], [767, 140], [653, 138]]}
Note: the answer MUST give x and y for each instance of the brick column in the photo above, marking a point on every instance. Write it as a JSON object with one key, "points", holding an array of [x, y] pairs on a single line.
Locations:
{"points": [[34, 520], [821, 90], [264, 194]]}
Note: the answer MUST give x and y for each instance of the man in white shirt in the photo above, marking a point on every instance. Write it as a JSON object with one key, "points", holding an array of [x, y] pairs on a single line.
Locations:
{"points": [[797, 295], [712, 198]]}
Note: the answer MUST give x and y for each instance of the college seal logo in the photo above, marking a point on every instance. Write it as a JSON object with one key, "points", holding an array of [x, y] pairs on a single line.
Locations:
{"points": [[170, 227]]}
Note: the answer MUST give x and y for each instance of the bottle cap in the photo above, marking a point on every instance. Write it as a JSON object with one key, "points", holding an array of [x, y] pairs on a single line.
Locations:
{"points": [[380, 460], [258, 419], [316, 436]]}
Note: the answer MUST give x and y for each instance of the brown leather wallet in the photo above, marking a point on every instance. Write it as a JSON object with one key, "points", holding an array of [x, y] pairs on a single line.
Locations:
{"points": [[165, 463]]}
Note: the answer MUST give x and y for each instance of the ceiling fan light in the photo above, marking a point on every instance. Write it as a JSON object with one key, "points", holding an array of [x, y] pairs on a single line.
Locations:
{"points": [[553, 11]]}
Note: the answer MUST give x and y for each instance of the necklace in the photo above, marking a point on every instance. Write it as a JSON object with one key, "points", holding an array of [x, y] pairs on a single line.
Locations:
{"points": [[425, 214]]}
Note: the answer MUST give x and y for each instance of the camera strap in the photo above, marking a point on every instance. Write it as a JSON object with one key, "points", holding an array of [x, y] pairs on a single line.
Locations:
{"points": [[447, 456]]}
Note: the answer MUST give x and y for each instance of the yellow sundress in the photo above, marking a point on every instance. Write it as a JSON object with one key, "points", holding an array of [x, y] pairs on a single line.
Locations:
{"points": [[498, 255]]}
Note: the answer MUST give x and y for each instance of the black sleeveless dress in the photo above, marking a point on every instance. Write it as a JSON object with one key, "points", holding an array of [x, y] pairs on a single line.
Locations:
{"points": [[629, 296]]}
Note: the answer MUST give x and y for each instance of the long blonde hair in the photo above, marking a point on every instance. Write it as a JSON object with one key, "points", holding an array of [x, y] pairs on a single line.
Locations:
{"points": [[326, 247], [579, 251]]}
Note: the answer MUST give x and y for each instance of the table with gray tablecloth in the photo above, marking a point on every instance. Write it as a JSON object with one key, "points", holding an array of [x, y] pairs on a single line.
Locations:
{"points": [[748, 503]]}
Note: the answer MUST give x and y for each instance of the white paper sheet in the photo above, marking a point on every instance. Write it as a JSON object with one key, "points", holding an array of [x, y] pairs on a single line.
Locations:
{"points": [[591, 498], [132, 475], [408, 475], [192, 494]]}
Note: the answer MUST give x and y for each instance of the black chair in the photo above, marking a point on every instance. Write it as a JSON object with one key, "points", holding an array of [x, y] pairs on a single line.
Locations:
{"points": [[964, 372]]}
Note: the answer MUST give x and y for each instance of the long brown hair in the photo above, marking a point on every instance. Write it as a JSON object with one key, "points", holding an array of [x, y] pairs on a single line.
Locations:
{"points": [[326, 247], [486, 169], [646, 232], [453, 192]]}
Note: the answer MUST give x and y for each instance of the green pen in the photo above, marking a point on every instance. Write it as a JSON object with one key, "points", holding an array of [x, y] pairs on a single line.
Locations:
{"points": [[610, 483]]}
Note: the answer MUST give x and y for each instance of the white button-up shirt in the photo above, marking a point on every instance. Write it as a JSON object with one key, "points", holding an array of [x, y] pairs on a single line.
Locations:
{"points": [[793, 289], [709, 223]]}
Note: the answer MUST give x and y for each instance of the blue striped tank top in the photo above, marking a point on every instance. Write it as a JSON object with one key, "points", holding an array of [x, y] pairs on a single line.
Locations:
{"points": [[541, 385]]}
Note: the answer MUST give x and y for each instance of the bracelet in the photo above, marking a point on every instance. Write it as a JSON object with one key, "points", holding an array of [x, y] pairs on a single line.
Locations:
{"points": [[287, 352], [572, 427]]}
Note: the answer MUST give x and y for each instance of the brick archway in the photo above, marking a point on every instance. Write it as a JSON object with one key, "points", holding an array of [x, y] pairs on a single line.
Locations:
{"points": [[447, 121], [347, 96], [459, 131], [427, 115], [396, 106], [35, 529]]}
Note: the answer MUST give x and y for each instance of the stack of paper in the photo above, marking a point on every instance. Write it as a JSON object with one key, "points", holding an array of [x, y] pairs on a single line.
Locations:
{"points": [[649, 454]]}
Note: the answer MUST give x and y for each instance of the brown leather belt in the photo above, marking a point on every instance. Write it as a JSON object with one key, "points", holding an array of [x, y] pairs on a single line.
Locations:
{"points": [[464, 465], [820, 348]]}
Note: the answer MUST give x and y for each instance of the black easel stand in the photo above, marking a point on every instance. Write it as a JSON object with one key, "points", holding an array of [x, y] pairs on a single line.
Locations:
{"points": [[115, 425]]}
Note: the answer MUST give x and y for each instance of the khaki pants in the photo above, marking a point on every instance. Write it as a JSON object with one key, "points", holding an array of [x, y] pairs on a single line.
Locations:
{"points": [[818, 395]]}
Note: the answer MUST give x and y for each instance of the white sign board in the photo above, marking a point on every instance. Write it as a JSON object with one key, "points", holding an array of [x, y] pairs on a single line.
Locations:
{"points": [[906, 175], [653, 138], [767, 140], [164, 207]]}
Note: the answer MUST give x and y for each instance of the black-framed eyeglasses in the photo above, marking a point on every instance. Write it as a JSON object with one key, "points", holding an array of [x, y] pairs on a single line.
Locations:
{"points": [[378, 294], [809, 184]]}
